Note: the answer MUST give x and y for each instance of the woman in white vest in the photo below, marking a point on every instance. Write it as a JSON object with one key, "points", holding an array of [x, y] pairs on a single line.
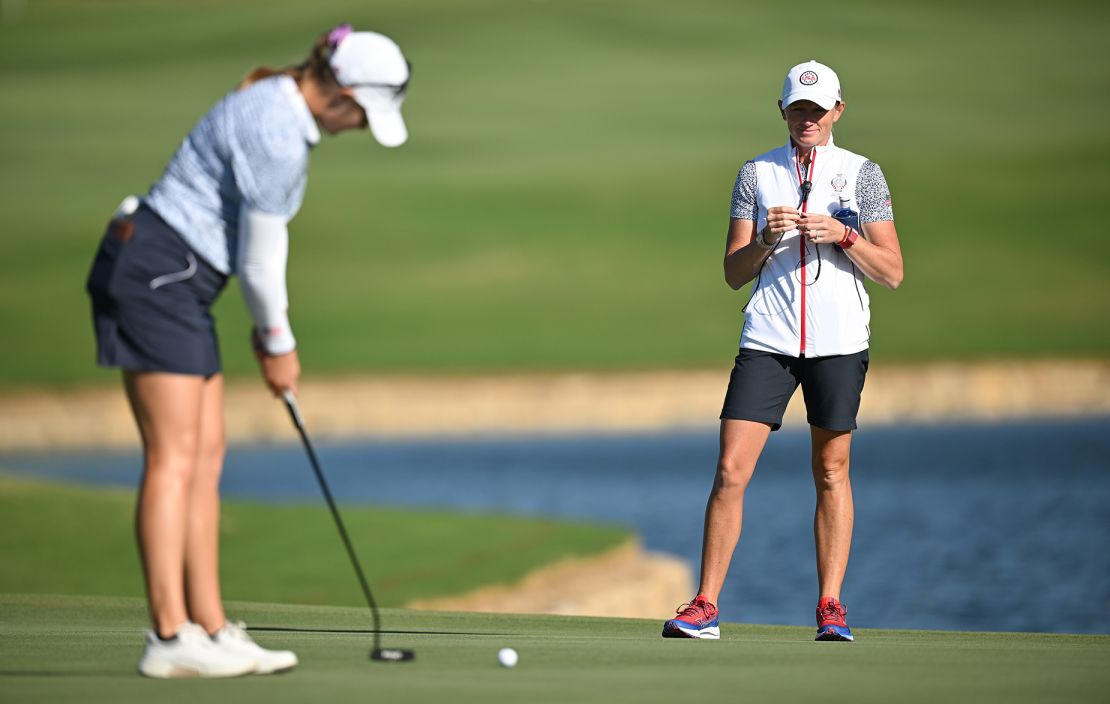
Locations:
{"points": [[809, 221], [220, 209]]}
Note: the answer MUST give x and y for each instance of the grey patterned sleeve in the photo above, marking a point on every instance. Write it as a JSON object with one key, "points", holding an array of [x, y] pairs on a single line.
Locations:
{"points": [[744, 206], [872, 194]]}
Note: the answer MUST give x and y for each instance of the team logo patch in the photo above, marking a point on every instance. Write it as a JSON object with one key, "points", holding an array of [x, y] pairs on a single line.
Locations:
{"points": [[839, 183], [808, 78]]}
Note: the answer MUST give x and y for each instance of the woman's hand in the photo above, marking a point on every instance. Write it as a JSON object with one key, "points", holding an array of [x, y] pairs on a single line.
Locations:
{"points": [[279, 371], [780, 220], [820, 229]]}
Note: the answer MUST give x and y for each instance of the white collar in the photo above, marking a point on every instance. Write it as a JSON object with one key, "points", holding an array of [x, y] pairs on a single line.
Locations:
{"points": [[300, 108], [820, 150]]}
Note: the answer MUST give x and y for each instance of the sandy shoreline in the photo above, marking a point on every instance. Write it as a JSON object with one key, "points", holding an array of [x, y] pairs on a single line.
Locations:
{"points": [[622, 582], [406, 407]]}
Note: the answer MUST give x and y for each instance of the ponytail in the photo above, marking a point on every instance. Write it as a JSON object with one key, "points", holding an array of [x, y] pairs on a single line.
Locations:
{"points": [[316, 66], [257, 74]]}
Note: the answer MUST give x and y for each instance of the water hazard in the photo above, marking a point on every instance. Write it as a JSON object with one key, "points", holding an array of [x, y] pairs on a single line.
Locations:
{"points": [[1001, 527]]}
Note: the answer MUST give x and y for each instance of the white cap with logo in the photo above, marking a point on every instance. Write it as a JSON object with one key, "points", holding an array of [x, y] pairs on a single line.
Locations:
{"points": [[373, 66], [811, 81]]}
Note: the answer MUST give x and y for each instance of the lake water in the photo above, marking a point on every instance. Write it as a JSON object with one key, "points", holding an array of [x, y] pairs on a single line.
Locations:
{"points": [[1000, 527]]}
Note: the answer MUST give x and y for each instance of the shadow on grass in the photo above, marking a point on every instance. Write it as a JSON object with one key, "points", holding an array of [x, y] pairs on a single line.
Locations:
{"points": [[370, 631], [53, 673]]}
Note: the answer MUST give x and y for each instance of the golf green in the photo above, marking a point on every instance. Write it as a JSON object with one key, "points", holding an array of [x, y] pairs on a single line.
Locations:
{"points": [[84, 649]]}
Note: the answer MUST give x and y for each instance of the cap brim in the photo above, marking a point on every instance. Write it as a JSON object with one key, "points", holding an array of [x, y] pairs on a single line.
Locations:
{"points": [[388, 127], [821, 98], [384, 116]]}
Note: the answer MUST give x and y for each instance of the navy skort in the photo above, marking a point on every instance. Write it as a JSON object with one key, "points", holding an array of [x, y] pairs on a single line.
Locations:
{"points": [[151, 296]]}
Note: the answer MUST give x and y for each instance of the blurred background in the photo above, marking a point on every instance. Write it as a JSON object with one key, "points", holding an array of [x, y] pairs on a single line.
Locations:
{"points": [[561, 208], [562, 203]]}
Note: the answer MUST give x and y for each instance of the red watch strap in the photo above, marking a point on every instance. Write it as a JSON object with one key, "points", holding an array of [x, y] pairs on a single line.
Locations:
{"points": [[850, 237]]}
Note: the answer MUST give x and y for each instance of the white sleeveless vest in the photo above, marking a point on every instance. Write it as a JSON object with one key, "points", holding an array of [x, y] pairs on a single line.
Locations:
{"points": [[802, 306]]}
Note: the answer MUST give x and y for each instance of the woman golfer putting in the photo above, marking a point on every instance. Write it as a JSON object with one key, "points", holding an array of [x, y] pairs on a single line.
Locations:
{"points": [[220, 208], [807, 323]]}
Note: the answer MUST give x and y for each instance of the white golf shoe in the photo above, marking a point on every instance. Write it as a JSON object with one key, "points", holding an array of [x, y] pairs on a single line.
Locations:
{"points": [[192, 653], [233, 640]]}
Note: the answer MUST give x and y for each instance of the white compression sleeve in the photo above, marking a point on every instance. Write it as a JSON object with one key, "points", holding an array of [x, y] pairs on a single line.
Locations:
{"points": [[263, 251]]}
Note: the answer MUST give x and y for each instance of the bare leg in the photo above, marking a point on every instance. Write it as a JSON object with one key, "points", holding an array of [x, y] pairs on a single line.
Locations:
{"points": [[167, 409], [742, 442], [835, 514], [202, 536]]}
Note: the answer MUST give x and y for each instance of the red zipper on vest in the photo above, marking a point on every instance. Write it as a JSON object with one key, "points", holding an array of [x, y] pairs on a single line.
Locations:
{"points": [[801, 238]]}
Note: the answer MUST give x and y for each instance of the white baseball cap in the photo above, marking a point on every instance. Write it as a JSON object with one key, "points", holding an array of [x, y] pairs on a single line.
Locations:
{"points": [[373, 66], [811, 81]]}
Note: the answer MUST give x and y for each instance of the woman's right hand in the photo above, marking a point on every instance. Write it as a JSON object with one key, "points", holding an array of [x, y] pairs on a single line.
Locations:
{"points": [[782, 219]]}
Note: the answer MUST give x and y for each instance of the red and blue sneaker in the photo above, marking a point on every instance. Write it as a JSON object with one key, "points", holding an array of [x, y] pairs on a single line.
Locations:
{"points": [[698, 619], [830, 620]]}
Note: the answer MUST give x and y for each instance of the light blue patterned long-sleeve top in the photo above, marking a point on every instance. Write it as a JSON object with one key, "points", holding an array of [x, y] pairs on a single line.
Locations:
{"points": [[250, 151]]}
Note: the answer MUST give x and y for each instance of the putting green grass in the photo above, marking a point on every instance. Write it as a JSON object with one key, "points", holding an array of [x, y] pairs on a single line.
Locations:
{"points": [[563, 200], [64, 539], [84, 649]]}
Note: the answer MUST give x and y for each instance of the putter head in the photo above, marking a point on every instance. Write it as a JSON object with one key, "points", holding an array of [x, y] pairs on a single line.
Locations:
{"points": [[391, 654]]}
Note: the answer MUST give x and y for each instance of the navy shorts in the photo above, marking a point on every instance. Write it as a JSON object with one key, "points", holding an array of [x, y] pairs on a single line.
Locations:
{"points": [[762, 383], [151, 296]]}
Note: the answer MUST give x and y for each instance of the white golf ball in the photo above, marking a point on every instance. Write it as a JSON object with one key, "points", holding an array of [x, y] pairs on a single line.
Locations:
{"points": [[507, 657]]}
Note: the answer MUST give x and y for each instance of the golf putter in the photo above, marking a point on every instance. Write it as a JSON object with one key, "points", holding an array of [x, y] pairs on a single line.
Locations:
{"points": [[377, 652]]}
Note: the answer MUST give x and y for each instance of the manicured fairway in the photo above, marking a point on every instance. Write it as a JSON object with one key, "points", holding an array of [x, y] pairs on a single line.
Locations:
{"points": [[84, 649], [562, 203]]}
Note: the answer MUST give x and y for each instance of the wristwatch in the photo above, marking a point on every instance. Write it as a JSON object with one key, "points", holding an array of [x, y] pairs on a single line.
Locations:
{"points": [[762, 242], [850, 237]]}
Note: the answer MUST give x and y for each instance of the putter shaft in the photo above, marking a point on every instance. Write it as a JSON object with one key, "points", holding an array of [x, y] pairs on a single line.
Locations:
{"points": [[378, 653]]}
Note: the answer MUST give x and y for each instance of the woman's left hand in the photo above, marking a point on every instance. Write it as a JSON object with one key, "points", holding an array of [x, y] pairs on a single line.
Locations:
{"points": [[821, 229], [280, 372]]}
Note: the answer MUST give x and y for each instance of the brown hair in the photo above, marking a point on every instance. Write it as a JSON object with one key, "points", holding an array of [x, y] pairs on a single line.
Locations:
{"points": [[316, 67]]}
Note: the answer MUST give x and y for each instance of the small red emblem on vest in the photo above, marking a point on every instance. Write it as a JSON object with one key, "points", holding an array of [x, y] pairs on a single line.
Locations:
{"points": [[808, 78]]}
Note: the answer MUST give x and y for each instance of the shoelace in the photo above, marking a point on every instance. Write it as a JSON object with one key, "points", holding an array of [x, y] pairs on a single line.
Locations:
{"points": [[237, 630], [833, 611], [693, 609]]}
